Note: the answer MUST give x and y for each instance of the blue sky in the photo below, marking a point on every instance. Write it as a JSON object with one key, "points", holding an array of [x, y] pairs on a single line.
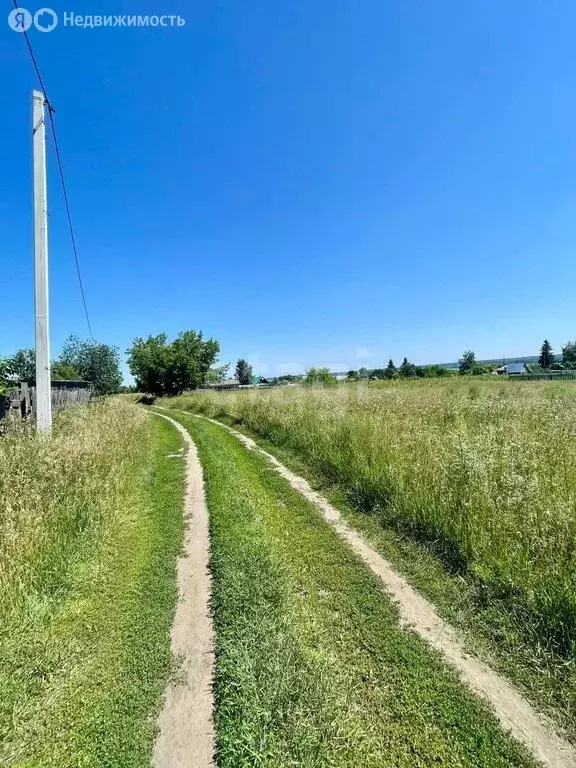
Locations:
{"points": [[309, 182]]}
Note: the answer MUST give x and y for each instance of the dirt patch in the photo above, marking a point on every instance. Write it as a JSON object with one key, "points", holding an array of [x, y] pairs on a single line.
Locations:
{"points": [[186, 733]]}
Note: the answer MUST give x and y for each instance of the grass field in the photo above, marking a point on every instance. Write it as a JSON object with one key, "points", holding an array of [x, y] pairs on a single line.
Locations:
{"points": [[467, 486], [90, 531], [312, 668], [481, 473]]}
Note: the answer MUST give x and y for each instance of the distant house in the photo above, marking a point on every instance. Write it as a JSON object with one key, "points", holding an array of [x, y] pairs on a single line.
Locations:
{"points": [[512, 369], [260, 381], [226, 384], [257, 381]]}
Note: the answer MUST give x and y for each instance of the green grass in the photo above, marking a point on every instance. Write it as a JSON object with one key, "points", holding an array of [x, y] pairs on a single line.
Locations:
{"points": [[486, 625], [312, 667], [469, 488], [90, 592], [494, 622]]}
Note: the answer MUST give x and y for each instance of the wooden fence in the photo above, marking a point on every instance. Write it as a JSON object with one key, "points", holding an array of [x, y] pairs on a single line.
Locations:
{"points": [[67, 393], [19, 401]]}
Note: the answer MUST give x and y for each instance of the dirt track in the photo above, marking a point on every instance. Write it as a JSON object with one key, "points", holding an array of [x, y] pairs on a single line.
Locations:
{"points": [[186, 734], [515, 713]]}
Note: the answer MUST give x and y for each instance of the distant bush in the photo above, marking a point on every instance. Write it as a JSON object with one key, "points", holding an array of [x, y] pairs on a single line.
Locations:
{"points": [[319, 377], [434, 371]]}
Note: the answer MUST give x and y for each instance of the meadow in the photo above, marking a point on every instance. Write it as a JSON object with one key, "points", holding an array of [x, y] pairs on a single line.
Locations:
{"points": [[312, 667], [90, 529], [484, 471]]}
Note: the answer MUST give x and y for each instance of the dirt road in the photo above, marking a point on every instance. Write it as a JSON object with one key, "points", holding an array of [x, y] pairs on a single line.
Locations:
{"points": [[514, 712], [186, 734]]}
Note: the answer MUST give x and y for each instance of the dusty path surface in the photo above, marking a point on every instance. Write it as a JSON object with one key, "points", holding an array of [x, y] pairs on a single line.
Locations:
{"points": [[186, 734], [514, 712]]}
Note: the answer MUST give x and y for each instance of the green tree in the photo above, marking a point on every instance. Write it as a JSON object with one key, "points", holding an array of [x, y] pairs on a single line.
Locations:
{"points": [[377, 374], [319, 377], [23, 368], [23, 365], [161, 368], [149, 362], [546, 359], [217, 373], [289, 378], [569, 355], [243, 372], [5, 374], [352, 376], [64, 372], [191, 360], [467, 363], [391, 370], [407, 369], [93, 362]]}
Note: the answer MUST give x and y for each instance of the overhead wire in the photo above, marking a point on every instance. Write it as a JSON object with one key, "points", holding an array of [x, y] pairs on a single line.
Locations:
{"points": [[61, 173]]}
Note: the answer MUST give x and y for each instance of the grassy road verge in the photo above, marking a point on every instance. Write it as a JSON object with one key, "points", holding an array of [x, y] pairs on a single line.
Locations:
{"points": [[91, 536], [312, 668]]}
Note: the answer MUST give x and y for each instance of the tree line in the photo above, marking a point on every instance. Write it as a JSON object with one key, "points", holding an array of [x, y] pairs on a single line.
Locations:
{"points": [[467, 366], [79, 360], [159, 366], [547, 359], [406, 370], [163, 367]]}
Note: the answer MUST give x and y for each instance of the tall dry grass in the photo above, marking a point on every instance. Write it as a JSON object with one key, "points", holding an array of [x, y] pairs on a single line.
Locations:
{"points": [[55, 495], [485, 469]]}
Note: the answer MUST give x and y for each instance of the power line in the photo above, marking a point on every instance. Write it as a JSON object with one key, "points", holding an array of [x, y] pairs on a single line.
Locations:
{"points": [[61, 173], [68, 215]]}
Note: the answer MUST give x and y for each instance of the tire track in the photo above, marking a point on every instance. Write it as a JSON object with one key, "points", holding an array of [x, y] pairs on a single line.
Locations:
{"points": [[186, 732], [515, 713]]}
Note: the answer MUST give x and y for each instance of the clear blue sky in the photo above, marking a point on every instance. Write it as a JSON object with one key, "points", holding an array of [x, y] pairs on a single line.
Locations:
{"points": [[309, 182]]}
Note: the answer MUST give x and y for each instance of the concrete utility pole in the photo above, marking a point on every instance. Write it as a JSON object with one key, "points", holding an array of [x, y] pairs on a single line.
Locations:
{"points": [[43, 405]]}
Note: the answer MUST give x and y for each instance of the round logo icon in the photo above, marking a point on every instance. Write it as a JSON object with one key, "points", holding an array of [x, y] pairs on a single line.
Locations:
{"points": [[20, 20], [45, 20]]}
